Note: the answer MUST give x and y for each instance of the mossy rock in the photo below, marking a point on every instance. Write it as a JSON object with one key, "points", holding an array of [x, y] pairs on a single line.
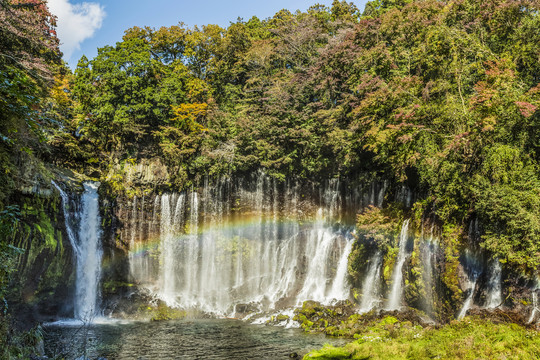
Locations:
{"points": [[161, 312], [282, 317], [311, 307]]}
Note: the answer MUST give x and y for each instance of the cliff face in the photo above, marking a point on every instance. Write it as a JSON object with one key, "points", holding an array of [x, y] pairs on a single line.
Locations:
{"points": [[41, 288], [44, 277]]}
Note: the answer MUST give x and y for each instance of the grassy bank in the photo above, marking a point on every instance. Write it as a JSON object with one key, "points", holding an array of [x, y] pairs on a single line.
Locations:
{"points": [[472, 338]]}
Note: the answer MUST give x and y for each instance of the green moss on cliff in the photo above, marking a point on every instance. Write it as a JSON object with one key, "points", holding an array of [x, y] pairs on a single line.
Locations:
{"points": [[452, 241]]}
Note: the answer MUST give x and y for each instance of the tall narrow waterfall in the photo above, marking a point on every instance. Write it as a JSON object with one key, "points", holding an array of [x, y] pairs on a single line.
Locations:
{"points": [[168, 245], [471, 285], [394, 300], [535, 306], [87, 249], [494, 297], [340, 287], [473, 268], [256, 242], [428, 260], [371, 286]]}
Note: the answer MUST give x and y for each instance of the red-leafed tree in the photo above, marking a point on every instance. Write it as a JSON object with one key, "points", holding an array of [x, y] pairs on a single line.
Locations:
{"points": [[29, 58], [28, 38]]}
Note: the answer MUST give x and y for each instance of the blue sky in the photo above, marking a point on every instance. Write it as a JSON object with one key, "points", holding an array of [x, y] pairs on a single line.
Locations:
{"points": [[83, 26]]}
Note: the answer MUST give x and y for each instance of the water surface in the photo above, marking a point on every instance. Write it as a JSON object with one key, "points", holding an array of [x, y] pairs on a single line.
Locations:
{"points": [[185, 339]]}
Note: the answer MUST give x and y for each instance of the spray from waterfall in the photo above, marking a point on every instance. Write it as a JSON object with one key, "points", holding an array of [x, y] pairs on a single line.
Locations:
{"points": [[88, 252], [394, 301]]}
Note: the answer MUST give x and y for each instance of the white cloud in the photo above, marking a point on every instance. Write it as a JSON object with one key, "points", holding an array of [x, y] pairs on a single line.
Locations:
{"points": [[76, 23]]}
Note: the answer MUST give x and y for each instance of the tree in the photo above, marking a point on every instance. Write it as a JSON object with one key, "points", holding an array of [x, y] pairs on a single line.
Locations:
{"points": [[29, 58]]}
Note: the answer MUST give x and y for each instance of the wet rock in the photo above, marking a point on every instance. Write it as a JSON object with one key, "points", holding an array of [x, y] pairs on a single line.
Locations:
{"points": [[342, 319], [146, 172], [282, 317], [133, 304], [242, 310], [279, 319], [411, 315], [163, 312], [499, 315]]}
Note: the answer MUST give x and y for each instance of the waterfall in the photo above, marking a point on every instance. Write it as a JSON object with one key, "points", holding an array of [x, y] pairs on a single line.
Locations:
{"points": [[382, 191], [371, 286], [340, 287], [331, 199], [317, 250], [473, 269], [132, 241], [190, 244], [253, 242], [535, 308], [67, 218], [87, 249], [494, 297], [394, 301], [427, 273], [138, 264], [167, 250], [471, 285]]}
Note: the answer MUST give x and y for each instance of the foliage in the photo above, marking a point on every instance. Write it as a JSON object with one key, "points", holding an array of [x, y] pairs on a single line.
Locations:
{"points": [[23, 345], [29, 58], [29, 40], [379, 225], [33, 107], [451, 237], [29, 67], [9, 217], [442, 96], [379, 230]]}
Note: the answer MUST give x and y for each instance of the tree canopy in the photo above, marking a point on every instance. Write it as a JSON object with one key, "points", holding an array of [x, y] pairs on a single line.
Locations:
{"points": [[441, 95]]}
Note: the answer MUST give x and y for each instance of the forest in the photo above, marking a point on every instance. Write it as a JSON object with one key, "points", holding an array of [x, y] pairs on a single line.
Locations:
{"points": [[440, 96]]}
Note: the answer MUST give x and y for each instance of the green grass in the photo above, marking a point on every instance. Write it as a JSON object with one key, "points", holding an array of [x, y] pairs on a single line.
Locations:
{"points": [[467, 339]]}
